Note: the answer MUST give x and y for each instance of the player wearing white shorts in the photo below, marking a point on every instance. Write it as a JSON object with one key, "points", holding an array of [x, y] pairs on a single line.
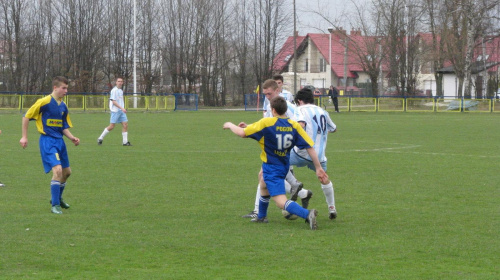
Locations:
{"points": [[318, 125], [118, 113], [292, 185]]}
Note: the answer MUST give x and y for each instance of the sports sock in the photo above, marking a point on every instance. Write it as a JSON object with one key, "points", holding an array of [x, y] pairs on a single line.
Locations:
{"points": [[104, 133], [290, 178], [288, 188], [303, 193], [63, 185], [55, 191], [263, 205], [257, 198], [329, 194], [293, 208], [125, 137]]}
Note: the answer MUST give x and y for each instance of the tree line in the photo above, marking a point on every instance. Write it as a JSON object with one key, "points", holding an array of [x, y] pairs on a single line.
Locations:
{"points": [[221, 49]]}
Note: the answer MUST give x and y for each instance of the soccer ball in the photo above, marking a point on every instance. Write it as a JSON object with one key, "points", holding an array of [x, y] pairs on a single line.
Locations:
{"points": [[289, 216]]}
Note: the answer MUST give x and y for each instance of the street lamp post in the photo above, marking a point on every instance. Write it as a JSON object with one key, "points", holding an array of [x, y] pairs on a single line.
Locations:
{"points": [[330, 30]]}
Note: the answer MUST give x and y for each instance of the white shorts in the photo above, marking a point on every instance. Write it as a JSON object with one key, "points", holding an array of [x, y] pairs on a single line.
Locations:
{"points": [[299, 161], [118, 117]]}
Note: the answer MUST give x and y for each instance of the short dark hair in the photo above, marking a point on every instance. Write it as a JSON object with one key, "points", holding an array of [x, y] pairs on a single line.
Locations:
{"points": [[270, 83], [279, 104], [57, 81], [305, 95], [278, 77]]}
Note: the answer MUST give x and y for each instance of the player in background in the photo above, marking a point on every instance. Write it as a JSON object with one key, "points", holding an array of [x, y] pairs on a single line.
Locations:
{"points": [[52, 121], [118, 113], [277, 135], [282, 92], [318, 125], [292, 185]]}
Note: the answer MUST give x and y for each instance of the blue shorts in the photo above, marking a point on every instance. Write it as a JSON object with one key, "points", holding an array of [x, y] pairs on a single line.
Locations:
{"points": [[299, 161], [118, 117], [53, 152], [274, 176]]}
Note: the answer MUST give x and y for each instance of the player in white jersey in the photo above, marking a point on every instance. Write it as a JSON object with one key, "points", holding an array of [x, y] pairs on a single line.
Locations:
{"points": [[282, 92], [292, 185], [118, 113], [318, 125]]}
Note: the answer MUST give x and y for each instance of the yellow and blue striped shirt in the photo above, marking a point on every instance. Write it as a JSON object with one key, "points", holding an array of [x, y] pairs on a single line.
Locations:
{"points": [[51, 116]]}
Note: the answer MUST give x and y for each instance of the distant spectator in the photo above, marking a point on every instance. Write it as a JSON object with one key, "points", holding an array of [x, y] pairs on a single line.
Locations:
{"points": [[334, 93]]}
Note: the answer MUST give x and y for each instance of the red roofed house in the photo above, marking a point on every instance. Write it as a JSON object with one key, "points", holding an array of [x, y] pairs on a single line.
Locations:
{"points": [[314, 67]]}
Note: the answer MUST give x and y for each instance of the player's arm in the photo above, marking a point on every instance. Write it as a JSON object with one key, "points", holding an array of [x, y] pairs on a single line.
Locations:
{"points": [[70, 136], [235, 129], [322, 176], [24, 131], [118, 106]]}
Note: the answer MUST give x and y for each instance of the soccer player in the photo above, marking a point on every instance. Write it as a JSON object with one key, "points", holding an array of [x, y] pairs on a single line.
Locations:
{"points": [[271, 89], [277, 135], [52, 121], [318, 125], [282, 92], [118, 113]]}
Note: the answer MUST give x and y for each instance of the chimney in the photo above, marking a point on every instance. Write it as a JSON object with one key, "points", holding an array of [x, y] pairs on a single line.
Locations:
{"points": [[296, 34], [355, 32]]}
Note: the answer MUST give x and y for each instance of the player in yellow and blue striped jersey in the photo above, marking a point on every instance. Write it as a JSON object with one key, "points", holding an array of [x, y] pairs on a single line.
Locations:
{"points": [[52, 121], [277, 135]]}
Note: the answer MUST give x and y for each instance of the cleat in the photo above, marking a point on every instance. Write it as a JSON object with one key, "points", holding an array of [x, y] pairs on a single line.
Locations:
{"points": [[261, 220], [333, 212], [56, 209], [62, 203], [305, 201], [294, 191], [99, 142], [2, 185], [127, 144], [252, 215], [311, 219]]}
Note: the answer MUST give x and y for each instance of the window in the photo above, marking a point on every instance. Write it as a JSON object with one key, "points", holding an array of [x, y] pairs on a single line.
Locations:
{"points": [[481, 57], [287, 57], [306, 66], [322, 65]]}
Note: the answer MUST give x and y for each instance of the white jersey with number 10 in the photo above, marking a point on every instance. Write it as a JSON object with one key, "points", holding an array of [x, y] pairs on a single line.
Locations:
{"points": [[318, 125]]}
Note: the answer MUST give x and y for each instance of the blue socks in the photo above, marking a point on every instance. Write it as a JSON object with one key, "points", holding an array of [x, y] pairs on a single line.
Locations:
{"points": [[55, 190], [293, 208], [263, 205], [62, 189]]}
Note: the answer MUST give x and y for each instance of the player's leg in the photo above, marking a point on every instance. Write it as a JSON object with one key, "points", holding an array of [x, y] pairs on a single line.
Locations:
{"points": [[304, 194], [328, 192], [49, 151], [295, 184], [55, 189], [263, 204], [107, 129], [66, 172], [255, 211], [125, 134]]}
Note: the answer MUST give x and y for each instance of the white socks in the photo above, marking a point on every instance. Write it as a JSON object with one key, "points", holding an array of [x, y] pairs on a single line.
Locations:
{"points": [[328, 191], [125, 137], [104, 133]]}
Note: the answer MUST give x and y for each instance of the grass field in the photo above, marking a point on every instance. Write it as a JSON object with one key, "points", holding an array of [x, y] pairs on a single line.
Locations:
{"points": [[417, 196]]}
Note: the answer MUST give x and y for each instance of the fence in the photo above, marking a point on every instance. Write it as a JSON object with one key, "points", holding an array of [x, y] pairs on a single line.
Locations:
{"points": [[396, 104], [100, 101]]}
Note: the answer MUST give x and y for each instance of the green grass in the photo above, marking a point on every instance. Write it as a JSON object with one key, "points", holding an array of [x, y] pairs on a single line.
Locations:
{"points": [[417, 196]]}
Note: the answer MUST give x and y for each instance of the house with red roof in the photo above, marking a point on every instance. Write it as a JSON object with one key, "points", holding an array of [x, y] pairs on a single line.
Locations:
{"points": [[324, 60], [335, 59]]}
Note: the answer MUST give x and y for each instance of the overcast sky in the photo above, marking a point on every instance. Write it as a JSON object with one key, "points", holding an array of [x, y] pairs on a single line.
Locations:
{"points": [[308, 22]]}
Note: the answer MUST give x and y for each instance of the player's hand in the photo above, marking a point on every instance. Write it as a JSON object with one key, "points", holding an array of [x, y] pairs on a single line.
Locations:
{"points": [[76, 141], [123, 110], [322, 176], [227, 125], [24, 142], [242, 124]]}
